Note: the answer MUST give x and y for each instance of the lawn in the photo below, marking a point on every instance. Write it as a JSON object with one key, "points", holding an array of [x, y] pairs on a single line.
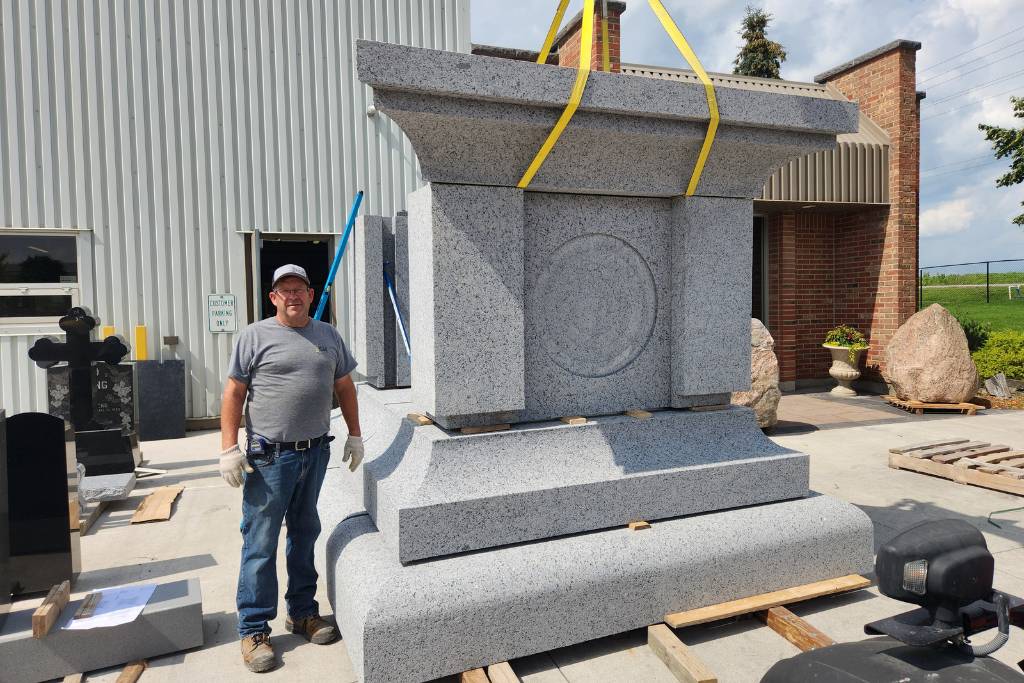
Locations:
{"points": [[971, 279], [969, 302]]}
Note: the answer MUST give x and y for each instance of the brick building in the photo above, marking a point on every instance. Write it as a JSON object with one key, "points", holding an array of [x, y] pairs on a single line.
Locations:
{"points": [[835, 233]]}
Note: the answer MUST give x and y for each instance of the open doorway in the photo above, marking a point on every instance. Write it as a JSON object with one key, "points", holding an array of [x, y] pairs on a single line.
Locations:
{"points": [[759, 272], [312, 253]]}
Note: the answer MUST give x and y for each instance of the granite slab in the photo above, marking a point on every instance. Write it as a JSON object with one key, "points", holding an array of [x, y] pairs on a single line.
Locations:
{"points": [[418, 622], [434, 492], [160, 388], [480, 120], [368, 313], [171, 621], [400, 232], [106, 487]]}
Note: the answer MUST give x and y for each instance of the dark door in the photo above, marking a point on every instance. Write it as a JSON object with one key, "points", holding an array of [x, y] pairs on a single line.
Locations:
{"points": [[314, 255], [757, 304]]}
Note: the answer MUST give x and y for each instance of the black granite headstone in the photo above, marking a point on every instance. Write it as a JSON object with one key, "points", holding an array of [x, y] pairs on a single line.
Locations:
{"points": [[40, 467], [5, 534], [113, 394], [114, 451], [161, 399]]}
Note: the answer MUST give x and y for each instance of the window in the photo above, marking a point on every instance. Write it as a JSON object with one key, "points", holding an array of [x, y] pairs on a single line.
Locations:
{"points": [[38, 277]]}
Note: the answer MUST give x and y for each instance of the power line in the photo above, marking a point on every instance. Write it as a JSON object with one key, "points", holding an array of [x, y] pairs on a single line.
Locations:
{"points": [[969, 61], [973, 102], [959, 170], [957, 163], [978, 68], [955, 95], [980, 45]]}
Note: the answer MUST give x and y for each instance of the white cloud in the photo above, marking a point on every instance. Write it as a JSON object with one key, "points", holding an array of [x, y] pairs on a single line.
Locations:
{"points": [[948, 217]]}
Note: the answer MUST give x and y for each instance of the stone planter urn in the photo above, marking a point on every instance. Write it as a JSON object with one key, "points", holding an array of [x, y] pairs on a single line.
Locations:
{"points": [[843, 371]]}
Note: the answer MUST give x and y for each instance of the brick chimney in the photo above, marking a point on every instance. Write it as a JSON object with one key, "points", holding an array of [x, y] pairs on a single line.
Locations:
{"points": [[567, 42]]}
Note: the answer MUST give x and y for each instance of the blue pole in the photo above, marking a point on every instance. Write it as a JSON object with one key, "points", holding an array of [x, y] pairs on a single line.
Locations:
{"points": [[338, 256], [398, 311]]}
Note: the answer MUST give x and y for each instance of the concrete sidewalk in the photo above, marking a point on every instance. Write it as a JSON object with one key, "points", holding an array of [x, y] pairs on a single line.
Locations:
{"points": [[847, 440]]}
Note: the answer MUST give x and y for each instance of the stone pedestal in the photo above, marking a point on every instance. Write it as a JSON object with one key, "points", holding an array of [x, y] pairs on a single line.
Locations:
{"points": [[595, 290]]}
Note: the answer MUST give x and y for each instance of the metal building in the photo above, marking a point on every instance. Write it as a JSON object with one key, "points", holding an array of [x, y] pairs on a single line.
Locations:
{"points": [[156, 152]]}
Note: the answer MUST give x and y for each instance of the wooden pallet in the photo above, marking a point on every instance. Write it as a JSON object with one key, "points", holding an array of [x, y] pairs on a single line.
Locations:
{"points": [[918, 407], [978, 463]]}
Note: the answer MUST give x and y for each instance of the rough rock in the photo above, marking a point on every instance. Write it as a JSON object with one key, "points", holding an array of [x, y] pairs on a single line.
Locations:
{"points": [[928, 359], [764, 393]]}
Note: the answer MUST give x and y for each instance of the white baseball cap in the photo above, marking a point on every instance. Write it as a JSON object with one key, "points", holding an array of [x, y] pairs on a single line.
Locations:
{"points": [[290, 270]]}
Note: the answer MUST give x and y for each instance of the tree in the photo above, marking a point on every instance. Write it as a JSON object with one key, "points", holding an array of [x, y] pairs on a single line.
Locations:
{"points": [[759, 56], [1009, 142]]}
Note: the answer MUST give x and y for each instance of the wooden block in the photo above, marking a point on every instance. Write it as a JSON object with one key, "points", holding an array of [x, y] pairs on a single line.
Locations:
{"points": [[908, 462], [131, 672], [794, 629], [483, 429], [73, 513], [1004, 470], [88, 606], [502, 673], [421, 420], [953, 457], [996, 482], [639, 525], [925, 445], [73, 678], [766, 601], [574, 420], [46, 614], [92, 513], [142, 472], [156, 506], [977, 461], [929, 453], [639, 414], [680, 660], [473, 676]]}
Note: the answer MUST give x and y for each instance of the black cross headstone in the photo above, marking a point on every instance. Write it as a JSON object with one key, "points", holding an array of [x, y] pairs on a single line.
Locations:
{"points": [[6, 580], [79, 353]]}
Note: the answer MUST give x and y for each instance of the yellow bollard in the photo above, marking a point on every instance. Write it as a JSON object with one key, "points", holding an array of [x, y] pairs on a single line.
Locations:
{"points": [[141, 352], [107, 331]]}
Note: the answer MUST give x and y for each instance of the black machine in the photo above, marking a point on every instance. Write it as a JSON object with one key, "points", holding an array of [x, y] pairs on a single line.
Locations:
{"points": [[945, 567]]}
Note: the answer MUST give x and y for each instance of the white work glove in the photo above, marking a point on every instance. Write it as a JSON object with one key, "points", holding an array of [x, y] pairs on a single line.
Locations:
{"points": [[232, 462], [353, 450]]}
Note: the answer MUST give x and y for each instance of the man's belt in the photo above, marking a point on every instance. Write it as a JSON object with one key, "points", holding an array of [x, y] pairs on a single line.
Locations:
{"points": [[303, 445]]}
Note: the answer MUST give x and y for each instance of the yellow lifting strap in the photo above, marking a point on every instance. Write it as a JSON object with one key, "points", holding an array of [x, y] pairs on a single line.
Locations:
{"points": [[691, 58], [583, 71], [606, 62]]}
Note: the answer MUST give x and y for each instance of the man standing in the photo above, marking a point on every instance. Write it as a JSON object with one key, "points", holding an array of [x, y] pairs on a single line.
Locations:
{"points": [[284, 369]]}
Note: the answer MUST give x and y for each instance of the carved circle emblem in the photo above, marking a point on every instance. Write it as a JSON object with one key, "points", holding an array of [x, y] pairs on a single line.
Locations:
{"points": [[596, 302]]}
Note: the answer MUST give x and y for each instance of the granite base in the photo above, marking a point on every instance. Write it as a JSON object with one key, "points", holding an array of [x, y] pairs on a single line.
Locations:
{"points": [[430, 619], [106, 487]]}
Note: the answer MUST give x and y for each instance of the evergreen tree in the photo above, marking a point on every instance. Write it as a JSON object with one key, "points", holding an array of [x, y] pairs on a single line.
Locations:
{"points": [[759, 56], [1009, 142]]}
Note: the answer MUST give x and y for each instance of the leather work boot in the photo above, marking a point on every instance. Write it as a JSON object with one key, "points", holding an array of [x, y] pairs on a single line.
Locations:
{"points": [[257, 653], [313, 628]]}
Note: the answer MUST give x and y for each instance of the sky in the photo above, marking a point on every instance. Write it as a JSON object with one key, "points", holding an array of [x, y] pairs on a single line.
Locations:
{"points": [[970, 63]]}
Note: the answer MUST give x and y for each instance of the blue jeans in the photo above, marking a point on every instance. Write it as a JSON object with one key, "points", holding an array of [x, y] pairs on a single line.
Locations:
{"points": [[282, 486]]}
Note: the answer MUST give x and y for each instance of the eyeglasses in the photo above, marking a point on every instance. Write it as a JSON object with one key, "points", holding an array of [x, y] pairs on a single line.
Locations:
{"points": [[291, 292]]}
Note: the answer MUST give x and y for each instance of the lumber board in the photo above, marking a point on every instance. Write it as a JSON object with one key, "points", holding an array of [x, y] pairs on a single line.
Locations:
{"points": [[92, 513], [45, 616], [961, 475], [794, 629], [131, 672], [574, 420], [88, 606], [484, 429], [418, 419], [1003, 470], [930, 453], [502, 673], [639, 525], [73, 678], [987, 450], [73, 512], [997, 482], [925, 445], [680, 660], [639, 414], [474, 676], [764, 601], [156, 506], [904, 462], [988, 459]]}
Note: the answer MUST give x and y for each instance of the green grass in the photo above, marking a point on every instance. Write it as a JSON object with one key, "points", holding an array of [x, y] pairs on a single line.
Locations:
{"points": [[971, 279], [1001, 313]]}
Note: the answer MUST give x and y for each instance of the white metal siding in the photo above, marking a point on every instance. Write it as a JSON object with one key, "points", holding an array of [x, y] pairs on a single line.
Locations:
{"points": [[165, 129]]}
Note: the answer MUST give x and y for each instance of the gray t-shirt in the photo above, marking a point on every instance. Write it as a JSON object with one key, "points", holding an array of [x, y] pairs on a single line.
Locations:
{"points": [[291, 373]]}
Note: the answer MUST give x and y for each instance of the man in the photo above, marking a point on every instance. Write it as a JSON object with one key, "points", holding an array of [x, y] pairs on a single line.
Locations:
{"points": [[287, 367]]}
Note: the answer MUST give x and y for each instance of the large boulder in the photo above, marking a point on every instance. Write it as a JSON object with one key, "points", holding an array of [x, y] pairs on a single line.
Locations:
{"points": [[928, 359], [764, 393]]}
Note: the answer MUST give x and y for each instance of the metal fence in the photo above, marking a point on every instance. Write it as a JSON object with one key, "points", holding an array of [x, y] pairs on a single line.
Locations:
{"points": [[990, 292]]}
